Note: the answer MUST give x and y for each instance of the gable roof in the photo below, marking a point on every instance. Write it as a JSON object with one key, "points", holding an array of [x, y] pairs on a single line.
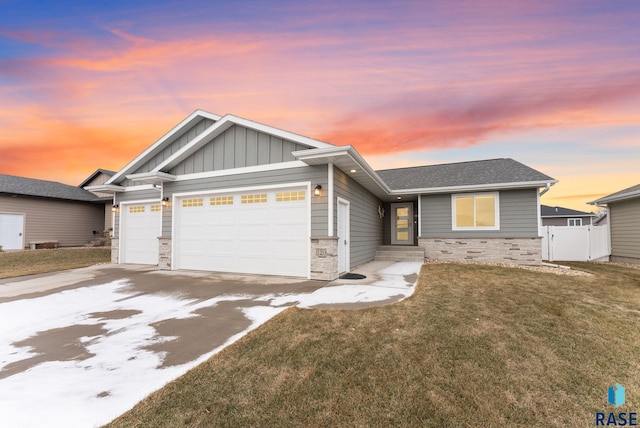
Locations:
{"points": [[95, 174], [628, 193], [13, 185], [492, 173], [547, 211], [222, 123]]}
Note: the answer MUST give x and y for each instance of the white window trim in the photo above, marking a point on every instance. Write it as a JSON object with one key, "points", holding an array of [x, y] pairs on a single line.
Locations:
{"points": [[574, 220], [496, 201]]}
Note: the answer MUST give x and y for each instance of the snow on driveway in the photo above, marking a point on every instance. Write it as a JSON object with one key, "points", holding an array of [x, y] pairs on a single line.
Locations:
{"points": [[109, 360]]}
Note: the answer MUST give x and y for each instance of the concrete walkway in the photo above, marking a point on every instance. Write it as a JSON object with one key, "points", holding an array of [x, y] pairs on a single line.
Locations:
{"points": [[79, 348]]}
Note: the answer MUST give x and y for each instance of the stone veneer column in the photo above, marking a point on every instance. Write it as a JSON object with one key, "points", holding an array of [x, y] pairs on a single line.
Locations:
{"points": [[324, 257], [497, 250], [115, 247], [164, 253]]}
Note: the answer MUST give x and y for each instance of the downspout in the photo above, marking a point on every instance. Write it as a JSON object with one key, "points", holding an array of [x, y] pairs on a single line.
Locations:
{"points": [[546, 189]]}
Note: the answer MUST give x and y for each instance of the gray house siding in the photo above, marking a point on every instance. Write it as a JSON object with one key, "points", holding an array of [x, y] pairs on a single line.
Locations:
{"points": [[313, 174], [624, 217], [238, 147], [563, 221], [176, 145], [70, 223], [366, 226], [518, 216]]}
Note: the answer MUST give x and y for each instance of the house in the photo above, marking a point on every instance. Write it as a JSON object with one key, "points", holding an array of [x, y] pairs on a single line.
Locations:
{"points": [[101, 176], [36, 213], [623, 212], [223, 193], [558, 216]]}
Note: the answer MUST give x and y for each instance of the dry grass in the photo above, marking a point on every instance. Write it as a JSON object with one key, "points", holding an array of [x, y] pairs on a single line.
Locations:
{"points": [[18, 263], [475, 346]]}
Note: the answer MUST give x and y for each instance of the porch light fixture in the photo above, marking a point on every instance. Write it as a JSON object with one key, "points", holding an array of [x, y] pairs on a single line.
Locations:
{"points": [[115, 208], [352, 171], [316, 190], [165, 201]]}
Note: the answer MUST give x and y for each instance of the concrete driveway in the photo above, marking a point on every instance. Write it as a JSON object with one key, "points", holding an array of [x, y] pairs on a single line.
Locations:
{"points": [[79, 348]]}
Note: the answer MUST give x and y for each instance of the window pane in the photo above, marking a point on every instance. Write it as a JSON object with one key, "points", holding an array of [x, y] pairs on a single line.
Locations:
{"points": [[402, 212], [464, 212], [485, 211]]}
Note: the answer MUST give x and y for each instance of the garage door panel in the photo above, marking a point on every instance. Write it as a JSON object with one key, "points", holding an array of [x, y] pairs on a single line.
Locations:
{"points": [[140, 232], [253, 232]]}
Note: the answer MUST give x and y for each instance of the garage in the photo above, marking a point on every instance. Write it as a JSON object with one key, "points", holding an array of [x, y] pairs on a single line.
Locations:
{"points": [[140, 228], [264, 231]]}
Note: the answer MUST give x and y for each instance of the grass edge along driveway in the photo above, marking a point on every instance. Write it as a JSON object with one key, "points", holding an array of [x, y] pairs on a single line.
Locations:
{"points": [[31, 262], [474, 346]]}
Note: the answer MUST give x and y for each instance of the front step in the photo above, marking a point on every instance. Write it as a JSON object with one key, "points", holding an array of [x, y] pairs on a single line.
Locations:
{"points": [[394, 253]]}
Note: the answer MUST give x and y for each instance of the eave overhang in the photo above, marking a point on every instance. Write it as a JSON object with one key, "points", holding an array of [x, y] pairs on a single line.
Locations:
{"points": [[153, 177], [348, 160], [608, 199], [105, 188]]}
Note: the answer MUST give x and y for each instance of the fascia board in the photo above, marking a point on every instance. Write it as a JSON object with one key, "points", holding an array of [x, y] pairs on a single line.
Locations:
{"points": [[154, 177], [279, 132], [474, 188], [608, 199], [179, 127], [105, 188]]}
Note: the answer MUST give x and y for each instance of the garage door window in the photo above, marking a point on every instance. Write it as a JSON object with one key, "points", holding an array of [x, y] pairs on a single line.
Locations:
{"points": [[155, 208], [290, 196], [222, 200], [259, 198], [136, 209], [197, 202]]}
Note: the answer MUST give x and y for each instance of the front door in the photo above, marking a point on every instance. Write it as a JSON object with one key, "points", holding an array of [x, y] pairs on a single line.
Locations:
{"points": [[401, 224]]}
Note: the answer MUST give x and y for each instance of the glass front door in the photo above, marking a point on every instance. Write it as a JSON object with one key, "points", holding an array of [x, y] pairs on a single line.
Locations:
{"points": [[401, 224]]}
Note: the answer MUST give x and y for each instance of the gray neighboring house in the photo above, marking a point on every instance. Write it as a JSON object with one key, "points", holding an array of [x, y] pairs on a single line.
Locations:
{"points": [[223, 193], [559, 216], [38, 212], [623, 212]]}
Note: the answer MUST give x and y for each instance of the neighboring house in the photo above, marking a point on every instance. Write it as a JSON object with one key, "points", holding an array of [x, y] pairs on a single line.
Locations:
{"points": [[623, 212], [101, 176], [558, 216], [223, 193], [36, 212]]}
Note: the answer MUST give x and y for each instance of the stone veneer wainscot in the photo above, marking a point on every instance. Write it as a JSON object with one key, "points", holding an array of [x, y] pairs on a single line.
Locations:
{"points": [[495, 250]]}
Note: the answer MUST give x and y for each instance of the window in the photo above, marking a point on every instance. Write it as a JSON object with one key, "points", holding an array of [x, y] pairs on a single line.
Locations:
{"points": [[221, 200], [475, 212], [197, 202], [254, 199], [136, 209], [155, 208], [290, 196], [574, 222]]}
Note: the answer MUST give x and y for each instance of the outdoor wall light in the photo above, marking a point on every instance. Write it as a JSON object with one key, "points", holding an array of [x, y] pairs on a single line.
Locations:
{"points": [[316, 190], [115, 208], [165, 201]]}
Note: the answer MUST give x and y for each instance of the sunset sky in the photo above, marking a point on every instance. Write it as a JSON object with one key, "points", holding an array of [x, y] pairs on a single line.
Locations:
{"points": [[552, 84]]}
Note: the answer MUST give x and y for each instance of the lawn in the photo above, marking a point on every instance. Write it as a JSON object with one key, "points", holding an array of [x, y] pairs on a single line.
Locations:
{"points": [[474, 346], [18, 263]]}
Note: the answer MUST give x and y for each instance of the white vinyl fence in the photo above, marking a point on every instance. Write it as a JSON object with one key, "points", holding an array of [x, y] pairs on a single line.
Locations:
{"points": [[575, 243]]}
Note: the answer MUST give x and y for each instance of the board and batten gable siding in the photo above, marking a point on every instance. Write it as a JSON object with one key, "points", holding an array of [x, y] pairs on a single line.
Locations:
{"points": [[238, 147], [71, 223], [178, 143], [518, 216], [365, 225], [138, 195], [624, 217], [313, 174]]}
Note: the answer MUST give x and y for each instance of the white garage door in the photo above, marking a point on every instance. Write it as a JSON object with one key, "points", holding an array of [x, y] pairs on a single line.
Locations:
{"points": [[263, 232], [140, 229]]}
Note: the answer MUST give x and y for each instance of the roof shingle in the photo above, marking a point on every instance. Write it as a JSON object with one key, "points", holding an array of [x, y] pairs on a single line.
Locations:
{"points": [[492, 171], [45, 189]]}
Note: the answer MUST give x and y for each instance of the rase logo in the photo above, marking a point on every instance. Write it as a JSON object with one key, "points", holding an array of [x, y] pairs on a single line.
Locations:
{"points": [[615, 397]]}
